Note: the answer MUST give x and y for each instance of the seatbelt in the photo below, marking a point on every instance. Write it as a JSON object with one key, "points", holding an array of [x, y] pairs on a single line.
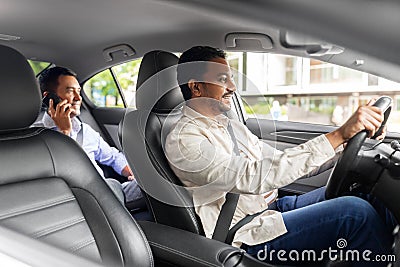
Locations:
{"points": [[231, 199], [79, 136], [231, 234]]}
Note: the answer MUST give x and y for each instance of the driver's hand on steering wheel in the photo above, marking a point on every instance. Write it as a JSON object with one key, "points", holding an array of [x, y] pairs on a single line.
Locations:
{"points": [[366, 117], [383, 134], [384, 129]]}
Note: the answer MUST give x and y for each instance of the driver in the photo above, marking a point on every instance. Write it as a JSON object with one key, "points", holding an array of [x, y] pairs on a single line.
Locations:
{"points": [[201, 151]]}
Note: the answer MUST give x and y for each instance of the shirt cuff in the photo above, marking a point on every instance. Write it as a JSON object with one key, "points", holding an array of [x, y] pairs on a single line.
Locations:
{"points": [[120, 163]]}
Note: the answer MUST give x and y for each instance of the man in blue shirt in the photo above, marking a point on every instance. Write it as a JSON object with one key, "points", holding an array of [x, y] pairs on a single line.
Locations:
{"points": [[64, 118]]}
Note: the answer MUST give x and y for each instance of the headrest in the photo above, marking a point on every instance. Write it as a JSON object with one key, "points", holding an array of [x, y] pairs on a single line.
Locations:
{"points": [[157, 86], [20, 99]]}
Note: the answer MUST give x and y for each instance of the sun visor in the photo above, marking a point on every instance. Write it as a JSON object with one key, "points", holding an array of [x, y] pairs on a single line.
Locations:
{"points": [[312, 46], [238, 41]]}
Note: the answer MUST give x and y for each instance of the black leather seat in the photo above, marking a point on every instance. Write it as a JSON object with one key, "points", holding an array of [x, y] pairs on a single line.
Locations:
{"points": [[143, 134], [49, 189]]}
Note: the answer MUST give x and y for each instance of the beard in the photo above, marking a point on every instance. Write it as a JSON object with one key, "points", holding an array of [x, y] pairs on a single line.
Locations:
{"points": [[224, 107], [225, 103]]}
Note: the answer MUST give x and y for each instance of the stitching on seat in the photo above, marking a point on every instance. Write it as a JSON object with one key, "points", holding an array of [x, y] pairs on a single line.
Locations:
{"points": [[50, 154], [163, 173], [36, 207], [149, 253], [182, 254], [107, 221], [146, 244], [58, 227], [82, 244], [36, 132]]}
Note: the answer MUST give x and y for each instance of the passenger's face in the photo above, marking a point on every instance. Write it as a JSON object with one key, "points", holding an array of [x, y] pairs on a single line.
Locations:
{"points": [[68, 88], [218, 85]]}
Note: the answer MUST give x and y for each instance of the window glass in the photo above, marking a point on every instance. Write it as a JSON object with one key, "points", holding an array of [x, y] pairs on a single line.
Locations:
{"points": [[103, 91], [38, 66], [323, 73], [307, 90], [282, 70], [127, 75], [236, 62]]}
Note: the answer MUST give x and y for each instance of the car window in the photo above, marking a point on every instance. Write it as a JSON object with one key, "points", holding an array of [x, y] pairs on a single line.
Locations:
{"points": [[127, 75], [114, 87], [287, 88], [38, 66], [102, 90]]}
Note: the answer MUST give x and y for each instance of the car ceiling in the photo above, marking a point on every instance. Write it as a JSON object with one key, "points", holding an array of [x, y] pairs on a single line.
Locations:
{"points": [[84, 28], [74, 33]]}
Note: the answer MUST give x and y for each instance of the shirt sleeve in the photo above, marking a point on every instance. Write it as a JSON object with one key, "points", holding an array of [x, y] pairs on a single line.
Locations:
{"points": [[109, 156], [199, 162]]}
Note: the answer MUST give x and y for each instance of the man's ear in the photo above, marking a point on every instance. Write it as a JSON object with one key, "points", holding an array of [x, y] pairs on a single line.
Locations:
{"points": [[194, 87]]}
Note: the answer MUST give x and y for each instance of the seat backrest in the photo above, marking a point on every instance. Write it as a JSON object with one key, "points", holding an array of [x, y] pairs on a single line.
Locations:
{"points": [[143, 133], [49, 189]]}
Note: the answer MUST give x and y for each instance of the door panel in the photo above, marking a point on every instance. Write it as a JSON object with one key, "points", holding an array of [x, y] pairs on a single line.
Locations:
{"points": [[287, 132]]}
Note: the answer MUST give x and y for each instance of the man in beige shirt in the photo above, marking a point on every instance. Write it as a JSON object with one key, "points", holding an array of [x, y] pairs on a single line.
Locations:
{"points": [[200, 150]]}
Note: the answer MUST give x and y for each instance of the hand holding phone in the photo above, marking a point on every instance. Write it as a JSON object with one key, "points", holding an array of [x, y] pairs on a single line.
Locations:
{"points": [[61, 117]]}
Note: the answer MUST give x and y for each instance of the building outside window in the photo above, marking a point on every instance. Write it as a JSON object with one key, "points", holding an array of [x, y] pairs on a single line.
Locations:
{"points": [[306, 90]]}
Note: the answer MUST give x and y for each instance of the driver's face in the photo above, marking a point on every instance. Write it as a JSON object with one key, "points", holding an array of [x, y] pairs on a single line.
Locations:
{"points": [[218, 84]]}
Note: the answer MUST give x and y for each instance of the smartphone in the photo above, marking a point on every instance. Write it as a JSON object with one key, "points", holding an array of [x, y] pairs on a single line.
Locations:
{"points": [[46, 100]]}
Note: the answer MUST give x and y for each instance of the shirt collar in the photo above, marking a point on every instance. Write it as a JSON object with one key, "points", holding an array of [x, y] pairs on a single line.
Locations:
{"points": [[201, 119], [49, 123]]}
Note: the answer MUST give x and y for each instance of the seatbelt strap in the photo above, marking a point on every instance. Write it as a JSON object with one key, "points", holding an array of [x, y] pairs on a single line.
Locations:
{"points": [[231, 199], [231, 234], [79, 137]]}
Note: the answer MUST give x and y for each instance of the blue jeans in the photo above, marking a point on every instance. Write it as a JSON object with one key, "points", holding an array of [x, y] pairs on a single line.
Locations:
{"points": [[132, 191], [320, 230], [127, 192]]}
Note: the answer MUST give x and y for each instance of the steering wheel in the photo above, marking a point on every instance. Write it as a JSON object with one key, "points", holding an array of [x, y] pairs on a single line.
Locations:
{"points": [[340, 180]]}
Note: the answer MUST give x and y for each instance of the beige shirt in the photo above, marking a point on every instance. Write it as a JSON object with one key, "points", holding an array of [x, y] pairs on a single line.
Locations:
{"points": [[200, 152]]}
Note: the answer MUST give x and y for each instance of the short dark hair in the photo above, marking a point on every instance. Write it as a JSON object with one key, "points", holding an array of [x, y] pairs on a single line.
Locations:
{"points": [[48, 79], [196, 53]]}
